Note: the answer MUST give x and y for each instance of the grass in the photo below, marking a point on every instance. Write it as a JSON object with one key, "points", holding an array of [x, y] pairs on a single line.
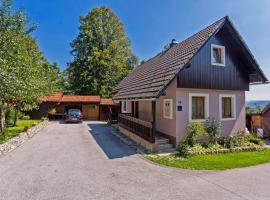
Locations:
{"points": [[11, 132], [214, 161]]}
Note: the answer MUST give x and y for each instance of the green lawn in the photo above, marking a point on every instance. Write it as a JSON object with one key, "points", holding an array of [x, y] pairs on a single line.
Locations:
{"points": [[213, 161], [11, 132]]}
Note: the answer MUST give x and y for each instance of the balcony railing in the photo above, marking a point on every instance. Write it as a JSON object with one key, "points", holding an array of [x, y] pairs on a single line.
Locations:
{"points": [[139, 127]]}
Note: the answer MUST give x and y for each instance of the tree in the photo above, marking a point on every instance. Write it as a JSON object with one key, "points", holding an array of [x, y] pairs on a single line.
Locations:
{"points": [[25, 75], [102, 55]]}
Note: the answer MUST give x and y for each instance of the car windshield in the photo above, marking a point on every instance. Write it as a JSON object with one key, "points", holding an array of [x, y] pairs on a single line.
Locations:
{"points": [[74, 112]]}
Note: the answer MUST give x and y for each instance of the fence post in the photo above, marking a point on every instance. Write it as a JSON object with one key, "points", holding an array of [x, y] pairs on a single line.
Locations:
{"points": [[153, 132]]}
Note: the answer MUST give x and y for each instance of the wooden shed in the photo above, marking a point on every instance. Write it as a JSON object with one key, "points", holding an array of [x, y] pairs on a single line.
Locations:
{"points": [[260, 120]]}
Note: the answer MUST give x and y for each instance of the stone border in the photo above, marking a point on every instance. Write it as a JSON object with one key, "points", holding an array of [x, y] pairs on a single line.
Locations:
{"points": [[15, 142]]}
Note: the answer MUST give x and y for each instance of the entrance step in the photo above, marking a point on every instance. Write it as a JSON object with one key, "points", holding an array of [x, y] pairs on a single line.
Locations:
{"points": [[163, 145], [168, 150], [162, 141]]}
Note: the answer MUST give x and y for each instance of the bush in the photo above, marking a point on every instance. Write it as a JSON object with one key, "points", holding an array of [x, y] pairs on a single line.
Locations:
{"points": [[233, 141], [20, 115], [182, 150], [25, 128], [253, 138], [194, 129], [26, 117], [213, 129], [9, 115], [52, 110], [44, 118]]}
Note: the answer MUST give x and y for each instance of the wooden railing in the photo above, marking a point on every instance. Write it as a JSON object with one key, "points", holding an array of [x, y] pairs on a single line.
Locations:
{"points": [[139, 127]]}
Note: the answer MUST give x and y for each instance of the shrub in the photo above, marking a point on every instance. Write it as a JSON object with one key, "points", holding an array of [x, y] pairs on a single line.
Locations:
{"points": [[253, 138], [182, 149], [213, 129], [233, 141], [9, 115], [20, 115], [44, 118], [25, 128], [26, 117], [194, 129], [52, 110]]}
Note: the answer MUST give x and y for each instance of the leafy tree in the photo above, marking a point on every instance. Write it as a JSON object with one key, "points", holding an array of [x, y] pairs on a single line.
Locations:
{"points": [[25, 75], [258, 109], [102, 55], [249, 110]]}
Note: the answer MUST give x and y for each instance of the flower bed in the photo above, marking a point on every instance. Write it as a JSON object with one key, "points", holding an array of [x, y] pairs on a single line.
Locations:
{"points": [[198, 149], [204, 139]]}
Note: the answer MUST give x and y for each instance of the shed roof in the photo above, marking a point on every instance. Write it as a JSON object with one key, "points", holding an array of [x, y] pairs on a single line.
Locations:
{"points": [[55, 97], [148, 80], [78, 98], [107, 102], [59, 97]]}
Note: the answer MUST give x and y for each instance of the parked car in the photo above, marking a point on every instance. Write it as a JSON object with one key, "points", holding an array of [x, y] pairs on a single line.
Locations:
{"points": [[74, 115]]}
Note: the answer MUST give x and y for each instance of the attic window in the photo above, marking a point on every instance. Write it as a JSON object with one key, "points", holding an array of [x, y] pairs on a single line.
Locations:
{"points": [[217, 55]]}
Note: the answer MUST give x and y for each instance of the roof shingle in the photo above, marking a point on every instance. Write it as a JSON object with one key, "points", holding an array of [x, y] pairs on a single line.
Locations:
{"points": [[148, 79]]}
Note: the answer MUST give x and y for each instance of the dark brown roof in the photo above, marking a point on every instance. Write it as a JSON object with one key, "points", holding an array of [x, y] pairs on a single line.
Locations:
{"points": [[148, 80]]}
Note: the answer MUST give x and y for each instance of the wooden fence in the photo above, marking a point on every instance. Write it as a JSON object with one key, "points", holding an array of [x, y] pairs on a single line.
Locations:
{"points": [[139, 127]]}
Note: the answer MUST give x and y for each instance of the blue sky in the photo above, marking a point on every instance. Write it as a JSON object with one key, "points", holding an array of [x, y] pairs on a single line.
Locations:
{"points": [[150, 24]]}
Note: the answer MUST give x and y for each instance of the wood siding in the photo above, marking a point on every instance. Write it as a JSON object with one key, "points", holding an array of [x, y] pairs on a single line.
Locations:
{"points": [[266, 123], [90, 112], [201, 74]]}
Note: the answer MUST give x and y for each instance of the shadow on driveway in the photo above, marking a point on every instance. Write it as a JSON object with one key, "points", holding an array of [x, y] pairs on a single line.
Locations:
{"points": [[112, 146]]}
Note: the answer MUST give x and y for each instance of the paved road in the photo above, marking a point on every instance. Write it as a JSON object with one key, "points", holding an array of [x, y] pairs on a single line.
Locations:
{"points": [[84, 161]]}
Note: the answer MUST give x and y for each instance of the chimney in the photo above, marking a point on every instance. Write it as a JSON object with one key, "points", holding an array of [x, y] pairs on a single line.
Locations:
{"points": [[173, 42]]}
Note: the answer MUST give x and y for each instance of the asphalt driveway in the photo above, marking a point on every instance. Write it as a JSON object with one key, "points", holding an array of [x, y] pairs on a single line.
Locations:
{"points": [[84, 161]]}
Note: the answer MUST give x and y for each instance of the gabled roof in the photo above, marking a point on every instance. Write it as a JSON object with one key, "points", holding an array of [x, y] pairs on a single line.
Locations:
{"points": [[149, 80]]}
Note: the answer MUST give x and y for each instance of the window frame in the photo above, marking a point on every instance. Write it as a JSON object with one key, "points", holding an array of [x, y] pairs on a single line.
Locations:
{"points": [[206, 106], [124, 105], [233, 106], [171, 108], [223, 55]]}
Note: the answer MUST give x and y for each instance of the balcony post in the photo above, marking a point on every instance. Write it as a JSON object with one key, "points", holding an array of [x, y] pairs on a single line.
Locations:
{"points": [[153, 121]]}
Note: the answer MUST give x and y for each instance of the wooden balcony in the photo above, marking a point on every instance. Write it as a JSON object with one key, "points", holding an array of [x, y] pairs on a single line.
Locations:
{"points": [[139, 127]]}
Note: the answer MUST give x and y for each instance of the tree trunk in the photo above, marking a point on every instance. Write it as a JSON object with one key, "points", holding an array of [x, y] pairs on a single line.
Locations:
{"points": [[15, 116], [2, 118]]}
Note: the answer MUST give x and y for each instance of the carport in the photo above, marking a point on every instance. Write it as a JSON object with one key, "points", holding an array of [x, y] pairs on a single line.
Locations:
{"points": [[92, 107]]}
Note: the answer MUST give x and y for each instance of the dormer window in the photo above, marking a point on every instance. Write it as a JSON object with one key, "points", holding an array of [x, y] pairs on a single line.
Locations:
{"points": [[217, 55]]}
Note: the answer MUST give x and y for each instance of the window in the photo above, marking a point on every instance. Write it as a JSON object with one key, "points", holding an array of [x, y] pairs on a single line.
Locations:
{"points": [[217, 55], [124, 106], [198, 106], [198, 111], [168, 108], [227, 107]]}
